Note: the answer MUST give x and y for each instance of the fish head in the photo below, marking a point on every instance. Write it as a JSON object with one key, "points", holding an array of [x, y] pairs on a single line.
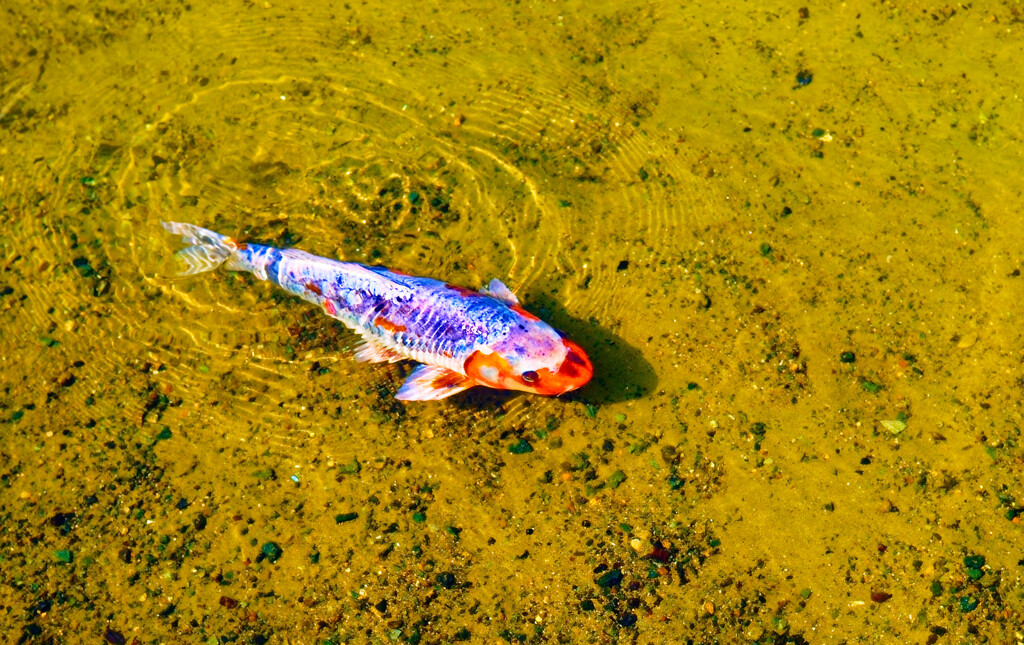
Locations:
{"points": [[539, 360]]}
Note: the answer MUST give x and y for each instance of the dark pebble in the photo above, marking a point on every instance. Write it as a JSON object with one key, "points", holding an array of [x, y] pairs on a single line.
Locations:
{"points": [[610, 579], [382, 606], [974, 561], [660, 553], [345, 517], [228, 602], [804, 78], [182, 504], [880, 596], [446, 580], [587, 605], [34, 630], [521, 447], [627, 619], [272, 551], [84, 269], [968, 604], [623, 265], [199, 523], [847, 357], [60, 519], [114, 637]]}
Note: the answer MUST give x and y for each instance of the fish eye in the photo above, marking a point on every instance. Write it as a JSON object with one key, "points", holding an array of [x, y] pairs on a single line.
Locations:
{"points": [[530, 376]]}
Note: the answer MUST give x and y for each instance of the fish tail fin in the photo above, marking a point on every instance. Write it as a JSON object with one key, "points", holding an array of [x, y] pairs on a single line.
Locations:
{"points": [[206, 251]]}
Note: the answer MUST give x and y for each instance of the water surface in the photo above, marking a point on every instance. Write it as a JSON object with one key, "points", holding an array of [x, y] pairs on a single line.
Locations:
{"points": [[788, 236]]}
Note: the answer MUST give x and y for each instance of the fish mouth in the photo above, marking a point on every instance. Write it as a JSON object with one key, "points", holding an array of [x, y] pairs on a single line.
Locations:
{"points": [[575, 371]]}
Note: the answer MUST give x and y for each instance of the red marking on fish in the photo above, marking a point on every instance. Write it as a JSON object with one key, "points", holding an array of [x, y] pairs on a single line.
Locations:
{"points": [[384, 323], [524, 313]]}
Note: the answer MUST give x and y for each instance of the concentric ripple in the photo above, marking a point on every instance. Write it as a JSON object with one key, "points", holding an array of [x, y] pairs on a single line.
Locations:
{"points": [[278, 126]]}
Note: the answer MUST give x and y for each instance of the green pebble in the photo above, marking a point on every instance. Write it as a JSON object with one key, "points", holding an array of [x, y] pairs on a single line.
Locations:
{"points": [[968, 604], [620, 418], [63, 555], [871, 388], [975, 574], [766, 249], [936, 588], [617, 478], [520, 447], [349, 469], [847, 357], [165, 433], [204, 369], [674, 482], [974, 561], [272, 551], [345, 517], [419, 517]]}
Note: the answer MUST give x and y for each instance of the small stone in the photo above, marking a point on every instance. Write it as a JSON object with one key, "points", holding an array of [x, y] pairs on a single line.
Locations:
{"points": [[967, 341], [272, 551], [709, 608], [345, 517], [880, 596], [446, 579], [895, 426], [228, 602], [521, 447], [974, 561], [610, 578]]}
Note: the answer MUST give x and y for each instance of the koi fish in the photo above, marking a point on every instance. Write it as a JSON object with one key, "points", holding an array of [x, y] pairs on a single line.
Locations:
{"points": [[461, 338]]}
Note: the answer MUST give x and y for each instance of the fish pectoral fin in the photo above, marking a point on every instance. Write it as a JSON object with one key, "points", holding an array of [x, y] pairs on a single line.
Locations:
{"points": [[432, 383], [371, 351], [497, 290]]}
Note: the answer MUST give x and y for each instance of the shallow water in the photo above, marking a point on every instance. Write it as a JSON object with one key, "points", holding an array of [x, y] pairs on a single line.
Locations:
{"points": [[788, 237]]}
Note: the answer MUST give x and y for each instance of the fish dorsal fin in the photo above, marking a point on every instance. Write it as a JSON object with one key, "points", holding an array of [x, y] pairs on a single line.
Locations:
{"points": [[372, 351], [432, 383], [497, 290]]}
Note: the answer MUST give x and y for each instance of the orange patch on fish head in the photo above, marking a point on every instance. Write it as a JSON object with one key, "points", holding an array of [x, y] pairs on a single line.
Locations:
{"points": [[494, 370], [491, 369]]}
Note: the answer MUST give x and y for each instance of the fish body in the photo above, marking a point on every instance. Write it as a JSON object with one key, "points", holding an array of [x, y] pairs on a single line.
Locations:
{"points": [[462, 338]]}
